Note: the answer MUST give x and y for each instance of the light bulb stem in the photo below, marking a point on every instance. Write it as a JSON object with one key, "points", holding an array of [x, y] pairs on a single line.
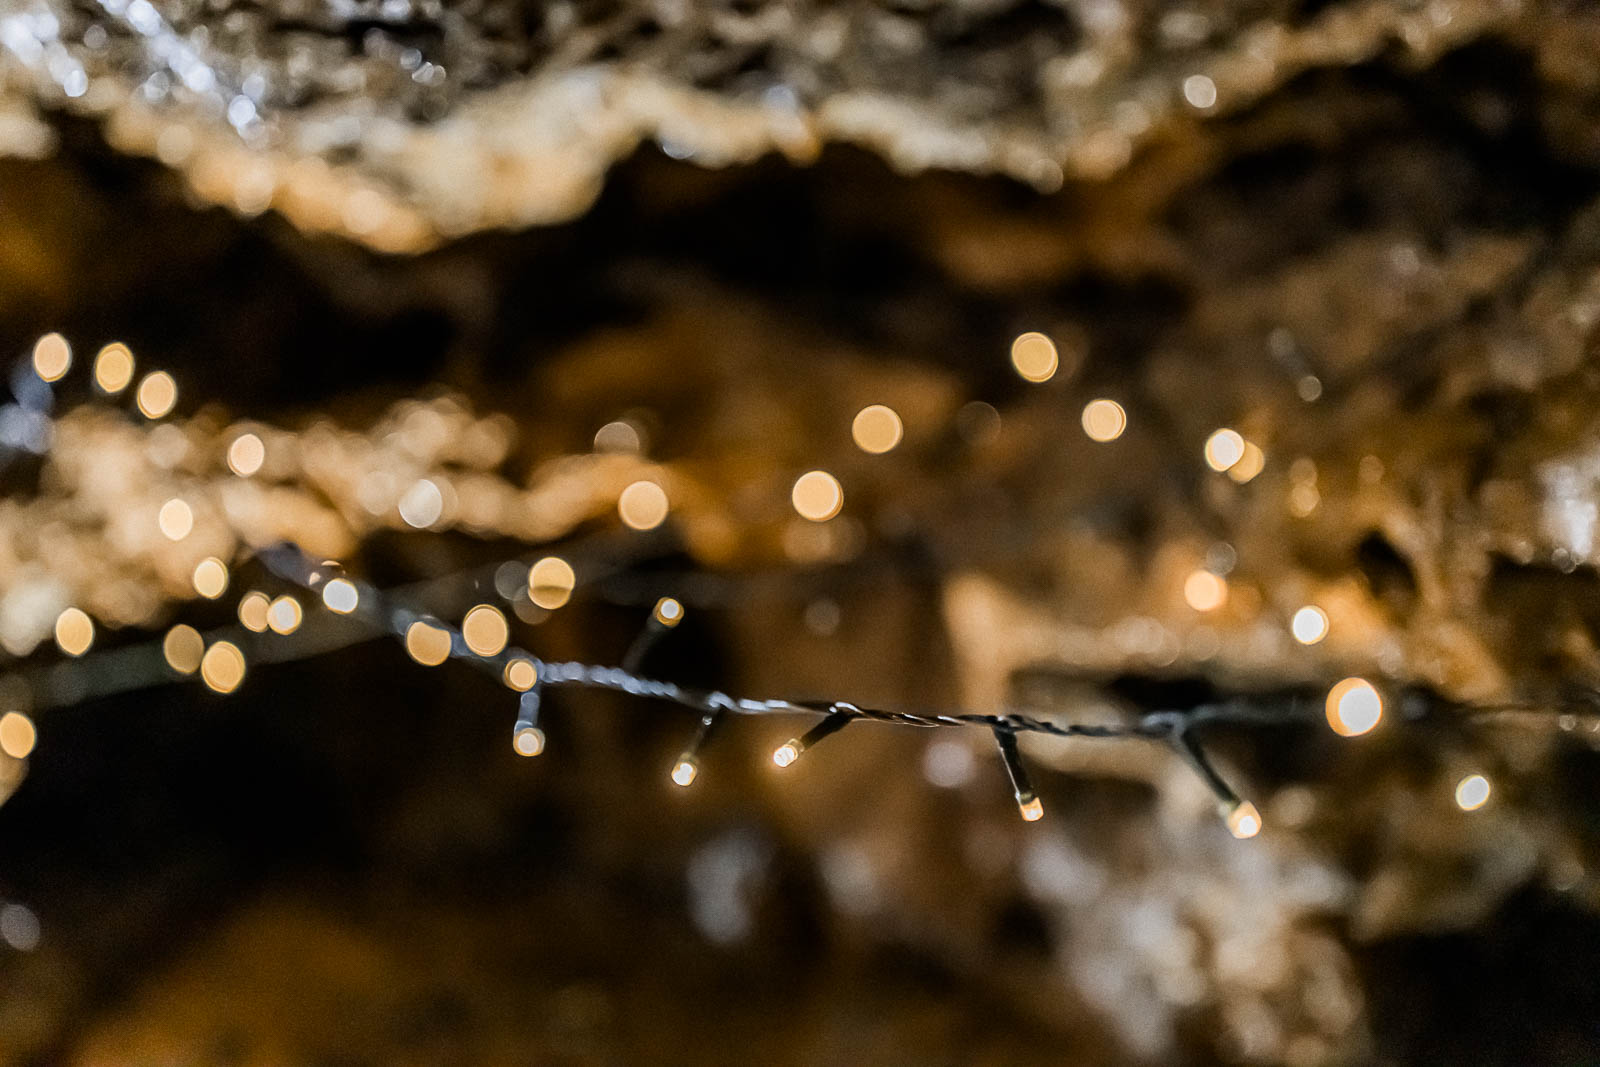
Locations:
{"points": [[1021, 786], [1188, 746]]}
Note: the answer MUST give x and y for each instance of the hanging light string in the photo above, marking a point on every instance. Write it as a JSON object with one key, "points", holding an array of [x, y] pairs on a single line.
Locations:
{"points": [[357, 612], [1353, 706]]}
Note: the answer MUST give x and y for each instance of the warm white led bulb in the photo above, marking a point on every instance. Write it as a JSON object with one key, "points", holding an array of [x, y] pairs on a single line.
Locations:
{"points": [[787, 752], [1354, 707], [528, 741], [341, 595], [1472, 792], [684, 773], [1309, 625], [1243, 820], [668, 612]]}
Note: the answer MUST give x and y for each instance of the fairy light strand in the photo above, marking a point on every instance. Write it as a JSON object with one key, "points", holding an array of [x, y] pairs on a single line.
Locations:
{"points": [[1354, 706]]}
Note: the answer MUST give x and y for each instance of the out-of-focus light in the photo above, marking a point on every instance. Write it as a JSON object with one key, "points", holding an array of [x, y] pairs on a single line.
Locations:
{"points": [[1104, 420], [1309, 625], [1031, 808], [550, 582], [429, 645], [1303, 500], [1034, 356], [19, 927], [1205, 591], [528, 741], [485, 630], [817, 496], [183, 648], [17, 735], [222, 667], [521, 675], [1252, 463], [1243, 820], [175, 519], [422, 504], [618, 436], [668, 612], [157, 394], [1354, 707], [284, 615], [643, 505], [683, 773], [74, 632], [787, 753], [1200, 91], [52, 357], [113, 368], [253, 611], [246, 455], [948, 764], [877, 429], [210, 577], [1472, 792], [1223, 449], [340, 595]]}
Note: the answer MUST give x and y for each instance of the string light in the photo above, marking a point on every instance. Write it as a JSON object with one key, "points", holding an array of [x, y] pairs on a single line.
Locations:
{"points": [[253, 611], [550, 582], [528, 741], [1028, 803], [246, 455], [1238, 815], [17, 735], [1224, 449], [183, 648], [877, 429], [1309, 625], [1035, 357], [113, 368], [618, 436], [520, 674], [52, 357], [422, 504], [175, 519], [643, 505], [668, 612], [666, 615], [1353, 707], [795, 747], [526, 737], [1252, 463], [340, 596], [1243, 820], [1205, 591], [1104, 420], [74, 632], [222, 667], [1472, 792], [485, 630], [157, 395], [210, 577], [817, 496], [284, 615], [1303, 500], [684, 771], [429, 645]]}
